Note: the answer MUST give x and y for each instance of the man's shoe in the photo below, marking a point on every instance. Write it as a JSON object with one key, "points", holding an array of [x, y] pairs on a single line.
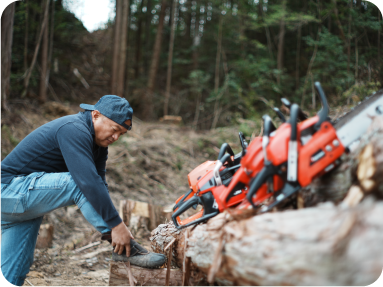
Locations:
{"points": [[139, 256]]}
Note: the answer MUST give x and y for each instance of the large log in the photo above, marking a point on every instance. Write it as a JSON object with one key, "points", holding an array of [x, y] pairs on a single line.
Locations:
{"points": [[327, 244], [324, 245]]}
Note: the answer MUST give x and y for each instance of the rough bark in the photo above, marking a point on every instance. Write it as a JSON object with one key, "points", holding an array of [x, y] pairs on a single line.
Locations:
{"points": [[26, 35], [147, 33], [6, 52], [297, 247], [323, 245], [148, 108], [170, 58]]}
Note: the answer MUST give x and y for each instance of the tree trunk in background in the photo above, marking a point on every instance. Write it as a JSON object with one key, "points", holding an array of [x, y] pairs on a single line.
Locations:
{"points": [[148, 108], [51, 33], [44, 63], [349, 38], [379, 16], [147, 34], [216, 79], [281, 40], [137, 62], [338, 22], [116, 47], [123, 51], [26, 35], [298, 56], [6, 52], [170, 57], [29, 71], [356, 59]]}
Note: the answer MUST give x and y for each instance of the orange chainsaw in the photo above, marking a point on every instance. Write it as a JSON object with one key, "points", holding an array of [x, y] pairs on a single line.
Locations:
{"points": [[300, 152]]}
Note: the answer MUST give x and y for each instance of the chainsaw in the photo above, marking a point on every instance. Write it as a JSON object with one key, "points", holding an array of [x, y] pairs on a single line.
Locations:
{"points": [[300, 152], [219, 178]]}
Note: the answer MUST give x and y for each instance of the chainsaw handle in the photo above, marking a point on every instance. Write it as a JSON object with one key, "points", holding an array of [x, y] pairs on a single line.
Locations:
{"points": [[225, 148], [323, 113], [301, 115], [227, 158], [280, 115], [268, 126], [259, 180], [294, 112], [184, 207], [243, 142]]}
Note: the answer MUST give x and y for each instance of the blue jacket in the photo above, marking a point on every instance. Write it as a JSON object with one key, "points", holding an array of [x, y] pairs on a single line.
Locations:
{"points": [[66, 144]]}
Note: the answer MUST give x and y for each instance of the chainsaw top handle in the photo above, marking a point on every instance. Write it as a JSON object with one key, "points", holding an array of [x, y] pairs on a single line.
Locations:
{"points": [[301, 115], [323, 113], [268, 126], [225, 148], [280, 115]]}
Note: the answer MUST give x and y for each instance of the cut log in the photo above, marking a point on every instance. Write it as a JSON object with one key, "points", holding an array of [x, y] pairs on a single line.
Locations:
{"points": [[324, 245], [136, 215], [118, 275], [45, 237]]}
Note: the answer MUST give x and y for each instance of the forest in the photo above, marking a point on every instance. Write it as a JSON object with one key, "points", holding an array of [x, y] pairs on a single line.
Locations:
{"points": [[211, 62]]}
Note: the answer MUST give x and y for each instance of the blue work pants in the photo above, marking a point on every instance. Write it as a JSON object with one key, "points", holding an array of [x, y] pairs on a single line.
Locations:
{"points": [[24, 202]]}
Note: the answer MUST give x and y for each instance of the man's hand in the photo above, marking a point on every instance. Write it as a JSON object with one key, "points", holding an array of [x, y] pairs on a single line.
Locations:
{"points": [[121, 238]]}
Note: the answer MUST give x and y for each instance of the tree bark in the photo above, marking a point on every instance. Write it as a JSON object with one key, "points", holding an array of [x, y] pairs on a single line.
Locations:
{"points": [[44, 63], [170, 58], [281, 40], [327, 245], [349, 39], [123, 50], [6, 52], [116, 47], [338, 22], [148, 108]]}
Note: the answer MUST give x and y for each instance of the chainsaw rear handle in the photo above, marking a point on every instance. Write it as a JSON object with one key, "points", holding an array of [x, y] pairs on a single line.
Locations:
{"points": [[259, 180], [243, 142], [184, 207], [323, 113], [218, 165], [301, 115], [182, 199], [280, 115], [294, 114]]}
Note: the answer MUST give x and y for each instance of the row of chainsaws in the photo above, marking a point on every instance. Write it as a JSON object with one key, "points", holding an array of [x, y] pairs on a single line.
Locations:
{"points": [[276, 165]]}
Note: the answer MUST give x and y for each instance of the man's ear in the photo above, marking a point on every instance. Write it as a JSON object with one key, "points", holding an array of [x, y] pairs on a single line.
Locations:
{"points": [[96, 114]]}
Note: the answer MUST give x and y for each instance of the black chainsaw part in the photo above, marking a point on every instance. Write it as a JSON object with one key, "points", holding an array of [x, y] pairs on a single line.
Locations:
{"points": [[323, 113], [209, 207]]}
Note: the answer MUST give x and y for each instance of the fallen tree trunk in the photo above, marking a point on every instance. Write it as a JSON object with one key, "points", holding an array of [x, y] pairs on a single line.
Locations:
{"points": [[324, 245], [321, 245]]}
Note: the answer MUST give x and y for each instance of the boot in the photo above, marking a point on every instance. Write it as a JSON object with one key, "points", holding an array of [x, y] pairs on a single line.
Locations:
{"points": [[139, 256]]}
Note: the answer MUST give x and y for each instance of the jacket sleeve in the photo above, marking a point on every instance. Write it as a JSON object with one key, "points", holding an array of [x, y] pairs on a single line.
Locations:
{"points": [[101, 164], [76, 143]]}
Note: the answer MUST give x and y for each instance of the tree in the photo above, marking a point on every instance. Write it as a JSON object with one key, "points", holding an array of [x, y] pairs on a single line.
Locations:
{"points": [[44, 63], [116, 47], [170, 58], [6, 52], [148, 98]]}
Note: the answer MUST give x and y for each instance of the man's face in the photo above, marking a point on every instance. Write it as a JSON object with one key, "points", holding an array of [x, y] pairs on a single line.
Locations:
{"points": [[106, 131]]}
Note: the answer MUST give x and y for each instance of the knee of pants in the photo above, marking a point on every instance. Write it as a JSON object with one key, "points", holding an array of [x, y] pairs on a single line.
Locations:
{"points": [[17, 249]]}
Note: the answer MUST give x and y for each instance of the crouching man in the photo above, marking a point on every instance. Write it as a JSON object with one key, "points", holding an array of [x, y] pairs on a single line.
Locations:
{"points": [[59, 164]]}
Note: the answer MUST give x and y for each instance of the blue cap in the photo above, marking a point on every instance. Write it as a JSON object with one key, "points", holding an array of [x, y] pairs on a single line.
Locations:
{"points": [[113, 107]]}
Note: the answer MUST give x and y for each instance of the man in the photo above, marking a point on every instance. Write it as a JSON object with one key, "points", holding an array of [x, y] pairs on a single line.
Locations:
{"points": [[63, 163]]}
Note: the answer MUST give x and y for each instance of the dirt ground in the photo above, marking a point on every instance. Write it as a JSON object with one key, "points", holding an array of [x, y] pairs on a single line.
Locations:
{"points": [[149, 164]]}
